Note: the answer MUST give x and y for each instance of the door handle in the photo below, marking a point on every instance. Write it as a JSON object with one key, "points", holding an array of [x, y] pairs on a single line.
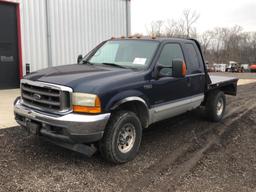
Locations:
{"points": [[188, 81]]}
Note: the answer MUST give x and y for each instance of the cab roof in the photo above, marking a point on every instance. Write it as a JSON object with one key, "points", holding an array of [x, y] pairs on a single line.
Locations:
{"points": [[159, 39]]}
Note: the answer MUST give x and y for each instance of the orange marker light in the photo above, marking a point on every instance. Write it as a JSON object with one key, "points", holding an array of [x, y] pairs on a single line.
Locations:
{"points": [[84, 109], [184, 70]]}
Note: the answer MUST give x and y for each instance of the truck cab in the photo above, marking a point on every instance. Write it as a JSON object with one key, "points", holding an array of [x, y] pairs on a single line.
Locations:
{"points": [[115, 91]]}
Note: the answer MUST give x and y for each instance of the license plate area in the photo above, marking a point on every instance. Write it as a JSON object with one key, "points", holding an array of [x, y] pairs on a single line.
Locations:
{"points": [[32, 127]]}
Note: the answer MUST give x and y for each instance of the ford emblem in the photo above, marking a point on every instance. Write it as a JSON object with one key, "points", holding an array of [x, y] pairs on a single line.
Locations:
{"points": [[37, 96]]}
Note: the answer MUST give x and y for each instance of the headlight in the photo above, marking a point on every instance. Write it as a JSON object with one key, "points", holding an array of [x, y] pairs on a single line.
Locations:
{"points": [[86, 103]]}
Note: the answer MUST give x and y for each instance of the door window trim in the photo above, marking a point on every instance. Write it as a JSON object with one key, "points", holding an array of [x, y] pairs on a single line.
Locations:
{"points": [[159, 54]]}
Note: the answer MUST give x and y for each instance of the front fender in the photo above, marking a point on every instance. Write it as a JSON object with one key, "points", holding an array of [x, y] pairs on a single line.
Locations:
{"points": [[126, 96]]}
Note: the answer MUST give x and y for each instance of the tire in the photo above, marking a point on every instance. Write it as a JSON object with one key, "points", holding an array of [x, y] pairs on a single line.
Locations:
{"points": [[215, 106], [117, 147]]}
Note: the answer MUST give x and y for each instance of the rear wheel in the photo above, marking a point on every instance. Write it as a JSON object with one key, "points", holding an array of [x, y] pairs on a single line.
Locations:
{"points": [[215, 106], [122, 137]]}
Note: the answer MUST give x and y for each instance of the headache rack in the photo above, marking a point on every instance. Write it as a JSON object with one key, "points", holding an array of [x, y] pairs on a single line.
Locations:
{"points": [[46, 97]]}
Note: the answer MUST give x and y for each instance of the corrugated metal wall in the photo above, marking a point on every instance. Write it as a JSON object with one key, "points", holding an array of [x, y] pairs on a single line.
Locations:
{"points": [[72, 27], [33, 32]]}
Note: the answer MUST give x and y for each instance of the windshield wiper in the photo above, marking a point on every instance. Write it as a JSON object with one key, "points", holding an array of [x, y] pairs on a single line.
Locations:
{"points": [[115, 65], [87, 62]]}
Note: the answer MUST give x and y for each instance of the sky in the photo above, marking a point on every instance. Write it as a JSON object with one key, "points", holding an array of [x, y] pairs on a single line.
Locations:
{"points": [[213, 13]]}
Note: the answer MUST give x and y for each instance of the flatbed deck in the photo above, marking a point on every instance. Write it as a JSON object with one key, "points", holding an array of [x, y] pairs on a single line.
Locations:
{"points": [[221, 81]]}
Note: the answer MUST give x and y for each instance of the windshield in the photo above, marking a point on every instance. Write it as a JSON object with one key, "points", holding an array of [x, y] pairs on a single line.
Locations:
{"points": [[125, 53]]}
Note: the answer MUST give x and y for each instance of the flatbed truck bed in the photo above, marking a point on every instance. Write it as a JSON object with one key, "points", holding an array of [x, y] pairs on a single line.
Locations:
{"points": [[229, 84]]}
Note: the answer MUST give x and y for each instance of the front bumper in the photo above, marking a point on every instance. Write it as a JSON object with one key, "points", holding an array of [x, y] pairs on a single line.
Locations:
{"points": [[69, 128]]}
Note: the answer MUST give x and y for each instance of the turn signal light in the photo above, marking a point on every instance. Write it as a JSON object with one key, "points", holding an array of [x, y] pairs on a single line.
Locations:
{"points": [[85, 109], [184, 70]]}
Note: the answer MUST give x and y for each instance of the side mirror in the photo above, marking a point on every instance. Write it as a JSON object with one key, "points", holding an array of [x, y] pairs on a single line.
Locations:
{"points": [[164, 71], [79, 58], [178, 68]]}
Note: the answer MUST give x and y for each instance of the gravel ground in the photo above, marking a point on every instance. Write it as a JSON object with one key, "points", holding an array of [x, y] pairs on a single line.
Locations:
{"points": [[229, 166], [185, 153]]}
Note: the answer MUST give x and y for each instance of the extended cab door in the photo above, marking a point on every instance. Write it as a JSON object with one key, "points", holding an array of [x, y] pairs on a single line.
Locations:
{"points": [[172, 96], [195, 68]]}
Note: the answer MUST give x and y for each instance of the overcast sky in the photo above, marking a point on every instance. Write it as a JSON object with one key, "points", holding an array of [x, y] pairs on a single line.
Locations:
{"points": [[222, 13]]}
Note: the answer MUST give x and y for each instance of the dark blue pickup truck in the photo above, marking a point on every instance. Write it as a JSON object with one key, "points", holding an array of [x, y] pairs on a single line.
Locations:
{"points": [[121, 87]]}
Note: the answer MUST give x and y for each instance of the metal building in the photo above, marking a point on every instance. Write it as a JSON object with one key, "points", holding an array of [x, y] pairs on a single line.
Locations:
{"points": [[47, 33]]}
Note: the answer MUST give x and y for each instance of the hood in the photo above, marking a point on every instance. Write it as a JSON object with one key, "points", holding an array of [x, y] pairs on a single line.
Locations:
{"points": [[82, 77]]}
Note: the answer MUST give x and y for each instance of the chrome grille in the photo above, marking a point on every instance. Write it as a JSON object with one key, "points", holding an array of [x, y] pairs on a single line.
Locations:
{"points": [[45, 97]]}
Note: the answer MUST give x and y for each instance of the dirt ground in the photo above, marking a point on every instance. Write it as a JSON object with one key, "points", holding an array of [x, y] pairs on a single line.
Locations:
{"points": [[185, 153]]}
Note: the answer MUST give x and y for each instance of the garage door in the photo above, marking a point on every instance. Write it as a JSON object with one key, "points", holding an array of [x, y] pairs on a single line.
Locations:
{"points": [[9, 61]]}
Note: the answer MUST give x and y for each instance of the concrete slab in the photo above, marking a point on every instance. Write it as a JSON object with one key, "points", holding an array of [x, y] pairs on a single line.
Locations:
{"points": [[246, 81], [7, 98]]}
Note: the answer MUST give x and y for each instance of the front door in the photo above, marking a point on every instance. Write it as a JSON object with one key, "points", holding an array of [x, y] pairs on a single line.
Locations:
{"points": [[172, 96], [9, 61]]}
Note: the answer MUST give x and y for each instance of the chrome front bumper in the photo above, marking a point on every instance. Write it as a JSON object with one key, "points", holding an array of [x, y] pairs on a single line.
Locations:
{"points": [[71, 127]]}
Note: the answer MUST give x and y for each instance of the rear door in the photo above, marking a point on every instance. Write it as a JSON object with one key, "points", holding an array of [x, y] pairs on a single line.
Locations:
{"points": [[9, 65], [195, 69]]}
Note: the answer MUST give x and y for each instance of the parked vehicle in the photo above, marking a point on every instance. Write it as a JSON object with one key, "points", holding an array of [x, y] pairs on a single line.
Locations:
{"points": [[210, 68], [219, 67], [253, 68], [234, 68], [245, 67], [119, 88]]}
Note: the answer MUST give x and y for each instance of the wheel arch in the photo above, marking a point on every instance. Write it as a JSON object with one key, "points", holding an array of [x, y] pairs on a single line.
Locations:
{"points": [[135, 104]]}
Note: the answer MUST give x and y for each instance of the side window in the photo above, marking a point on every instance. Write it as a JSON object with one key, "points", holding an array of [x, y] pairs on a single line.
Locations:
{"points": [[193, 61], [169, 52]]}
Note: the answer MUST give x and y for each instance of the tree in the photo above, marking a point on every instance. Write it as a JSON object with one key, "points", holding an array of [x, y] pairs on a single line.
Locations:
{"points": [[205, 39], [155, 28], [219, 45], [190, 18], [175, 29]]}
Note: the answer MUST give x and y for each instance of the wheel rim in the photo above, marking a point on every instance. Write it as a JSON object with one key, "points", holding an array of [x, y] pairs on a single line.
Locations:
{"points": [[126, 138], [220, 107]]}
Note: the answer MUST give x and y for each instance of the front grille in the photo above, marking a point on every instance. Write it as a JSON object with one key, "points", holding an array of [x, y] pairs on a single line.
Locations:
{"points": [[45, 97]]}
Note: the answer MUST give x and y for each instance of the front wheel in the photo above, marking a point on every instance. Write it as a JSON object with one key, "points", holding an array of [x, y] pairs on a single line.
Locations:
{"points": [[122, 137], [215, 106]]}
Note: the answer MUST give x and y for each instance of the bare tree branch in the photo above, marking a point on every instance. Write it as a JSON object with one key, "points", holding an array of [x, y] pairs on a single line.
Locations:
{"points": [[190, 18]]}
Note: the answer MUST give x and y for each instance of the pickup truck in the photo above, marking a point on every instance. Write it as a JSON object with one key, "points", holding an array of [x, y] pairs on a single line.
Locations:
{"points": [[115, 91]]}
